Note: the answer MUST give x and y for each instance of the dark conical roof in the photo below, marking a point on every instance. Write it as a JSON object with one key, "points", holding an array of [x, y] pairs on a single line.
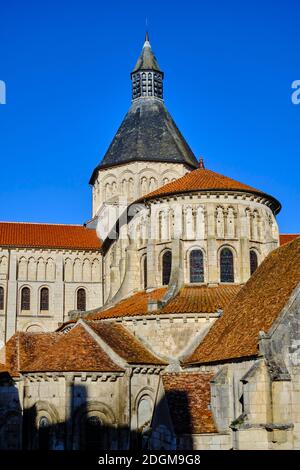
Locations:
{"points": [[146, 60], [147, 133]]}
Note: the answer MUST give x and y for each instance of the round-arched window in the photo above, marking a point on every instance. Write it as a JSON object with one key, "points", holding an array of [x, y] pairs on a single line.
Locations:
{"points": [[253, 261], [166, 267], [93, 433], [44, 298], [226, 265], [196, 266], [81, 300], [44, 433]]}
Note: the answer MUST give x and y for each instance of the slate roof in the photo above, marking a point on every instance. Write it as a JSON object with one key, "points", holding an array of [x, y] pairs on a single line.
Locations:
{"points": [[203, 179], [188, 398], [253, 309], [146, 60], [147, 133], [21, 234]]}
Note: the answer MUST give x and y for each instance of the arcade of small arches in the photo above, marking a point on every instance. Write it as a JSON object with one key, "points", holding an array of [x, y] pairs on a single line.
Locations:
{"points": [[94, 423], [44, 269], [125, 186], [133, 181], [191, 223]]}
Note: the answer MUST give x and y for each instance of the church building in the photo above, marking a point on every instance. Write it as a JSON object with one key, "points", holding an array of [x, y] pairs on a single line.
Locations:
{"points": [[170, 320]]}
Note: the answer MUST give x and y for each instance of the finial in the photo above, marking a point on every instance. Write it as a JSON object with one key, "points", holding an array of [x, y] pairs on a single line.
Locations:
{"points": [[147, 37], [201, 163]]}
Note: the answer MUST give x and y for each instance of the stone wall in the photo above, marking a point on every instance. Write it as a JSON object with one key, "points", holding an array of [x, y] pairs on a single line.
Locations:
{"points": [[170, 336], [183, 223], [62, 272], [133, 180]]}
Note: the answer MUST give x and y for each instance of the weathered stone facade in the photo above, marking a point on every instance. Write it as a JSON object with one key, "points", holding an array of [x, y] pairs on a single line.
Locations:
{"points": [[62, 272], [179, 330]]}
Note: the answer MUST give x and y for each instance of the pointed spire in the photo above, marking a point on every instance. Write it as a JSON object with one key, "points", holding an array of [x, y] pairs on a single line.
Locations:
{"points": [[146, 60], [201, 164], [147, 77]]}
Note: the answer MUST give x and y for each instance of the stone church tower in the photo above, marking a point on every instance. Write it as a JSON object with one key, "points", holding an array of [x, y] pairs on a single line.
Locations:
{"points": [[176, 328], [148, 150]]}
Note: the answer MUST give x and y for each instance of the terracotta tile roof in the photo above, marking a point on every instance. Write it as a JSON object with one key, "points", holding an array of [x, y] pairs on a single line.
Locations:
{"points": [[136, 304], [201, 299], [203, 179], [254, 309], [3, 368], [188, 398], [287, 237], [19, 234], [194, 299], [124, 343], [76, 350], [24, 348]]}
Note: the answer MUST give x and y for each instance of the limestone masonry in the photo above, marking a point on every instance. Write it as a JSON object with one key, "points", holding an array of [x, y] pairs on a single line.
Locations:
{"points": [[170, 320]]}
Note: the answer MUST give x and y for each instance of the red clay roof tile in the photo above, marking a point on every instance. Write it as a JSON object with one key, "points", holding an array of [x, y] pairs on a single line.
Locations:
{"points": [[203, 179], [24, 348], [124, 343], [19, 234], [287, 237], [196, 299], [201, 299], [188, 398], [76, 350], [254, 309], [136, 304]]}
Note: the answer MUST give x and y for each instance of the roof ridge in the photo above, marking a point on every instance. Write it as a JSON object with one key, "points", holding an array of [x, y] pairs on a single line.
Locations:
{"points": [[289, 233], [40, 223], [204, 179], [112, 354]]}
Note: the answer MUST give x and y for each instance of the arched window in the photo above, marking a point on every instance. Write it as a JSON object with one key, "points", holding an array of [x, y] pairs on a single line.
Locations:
{"points": [[93, 433], [1, 298], [226, 265], [81, 300], [144, 412], [196, 266], [44, 433], [44, 299], [25, 298], [145, 271], [166, 267], [253, 261]]}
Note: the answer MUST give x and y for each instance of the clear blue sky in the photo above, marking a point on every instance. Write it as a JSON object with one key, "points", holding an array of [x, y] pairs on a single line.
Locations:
{"points": [[228, 68]]}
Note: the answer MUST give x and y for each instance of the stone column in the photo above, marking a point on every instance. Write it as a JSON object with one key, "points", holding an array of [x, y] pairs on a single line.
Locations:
{"points": [[69, 383], [212, 260], [58, 290], [244, 255], [12, 297], [152, 265]]}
